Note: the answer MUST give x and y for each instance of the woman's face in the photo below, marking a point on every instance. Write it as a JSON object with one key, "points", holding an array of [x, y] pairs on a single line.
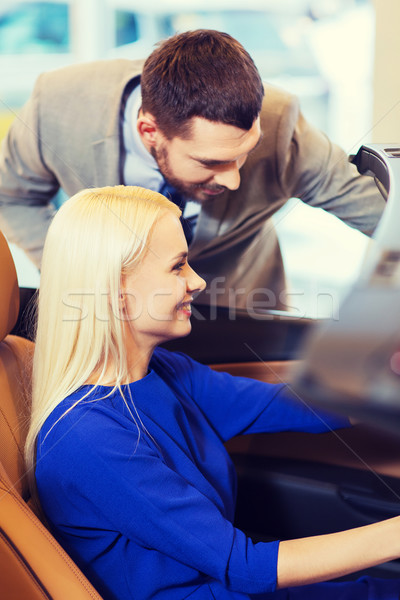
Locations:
{"points": [[157, 295]]}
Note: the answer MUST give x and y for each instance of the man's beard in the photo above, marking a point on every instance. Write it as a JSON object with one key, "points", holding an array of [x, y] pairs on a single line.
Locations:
{"points": [[190, 191]]}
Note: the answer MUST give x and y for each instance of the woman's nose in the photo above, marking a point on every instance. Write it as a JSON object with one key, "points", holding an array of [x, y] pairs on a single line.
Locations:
{"points": [[194, 282]]}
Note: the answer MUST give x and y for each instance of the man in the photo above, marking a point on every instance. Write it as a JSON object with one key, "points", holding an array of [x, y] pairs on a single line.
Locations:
{"points": [[198, 125]]}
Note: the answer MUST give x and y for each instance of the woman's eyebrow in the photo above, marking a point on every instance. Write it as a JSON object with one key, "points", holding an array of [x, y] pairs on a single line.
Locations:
{"points": [[180, 256]]}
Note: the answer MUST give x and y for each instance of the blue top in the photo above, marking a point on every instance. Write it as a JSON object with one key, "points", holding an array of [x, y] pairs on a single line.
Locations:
{"points": [[142, 495]]}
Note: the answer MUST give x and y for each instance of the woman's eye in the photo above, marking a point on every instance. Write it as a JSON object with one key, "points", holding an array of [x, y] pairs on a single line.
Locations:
{"points": [[179, 266]]}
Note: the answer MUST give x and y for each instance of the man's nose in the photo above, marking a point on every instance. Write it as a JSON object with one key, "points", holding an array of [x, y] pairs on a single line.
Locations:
{"points": [[228, 176]]}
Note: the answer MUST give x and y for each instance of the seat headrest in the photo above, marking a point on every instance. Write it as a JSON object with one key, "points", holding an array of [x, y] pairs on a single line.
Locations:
{"points": [[9, 291]]}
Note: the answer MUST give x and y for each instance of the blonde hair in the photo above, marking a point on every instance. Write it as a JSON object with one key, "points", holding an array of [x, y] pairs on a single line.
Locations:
{"points": [[95, 238]]}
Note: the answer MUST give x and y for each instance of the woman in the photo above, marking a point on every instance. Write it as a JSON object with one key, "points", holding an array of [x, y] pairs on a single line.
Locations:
{"points": [[126, 439]]}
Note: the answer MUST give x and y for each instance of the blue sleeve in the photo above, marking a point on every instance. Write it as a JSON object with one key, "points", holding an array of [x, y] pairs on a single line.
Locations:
{"points": [[238, 405], [126, 486]]}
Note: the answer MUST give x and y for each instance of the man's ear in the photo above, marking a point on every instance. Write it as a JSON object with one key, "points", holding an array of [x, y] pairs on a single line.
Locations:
{"points": [[148, 129]]}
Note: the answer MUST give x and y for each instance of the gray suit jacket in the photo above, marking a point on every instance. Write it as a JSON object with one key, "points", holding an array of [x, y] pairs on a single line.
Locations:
{"points": [[68, 134]]}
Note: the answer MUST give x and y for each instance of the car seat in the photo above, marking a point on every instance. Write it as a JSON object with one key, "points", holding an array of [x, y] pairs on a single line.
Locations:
{"points": [[32, 563]]}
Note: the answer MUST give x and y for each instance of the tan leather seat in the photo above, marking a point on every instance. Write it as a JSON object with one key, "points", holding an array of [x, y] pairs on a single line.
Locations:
{"points": [[32, 564]]}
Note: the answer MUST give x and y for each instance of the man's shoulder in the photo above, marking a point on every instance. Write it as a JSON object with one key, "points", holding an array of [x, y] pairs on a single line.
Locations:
{"points": [[279, 115], [277, 100], [105, 72], [87, 87]]}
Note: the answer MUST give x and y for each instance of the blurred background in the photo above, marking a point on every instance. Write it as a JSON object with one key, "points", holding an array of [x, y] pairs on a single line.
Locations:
{"points": [[322, 50], [335, 55]]}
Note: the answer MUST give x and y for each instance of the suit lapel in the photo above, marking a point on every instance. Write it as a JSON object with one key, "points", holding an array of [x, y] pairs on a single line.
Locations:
{"points": [[208, 224]]}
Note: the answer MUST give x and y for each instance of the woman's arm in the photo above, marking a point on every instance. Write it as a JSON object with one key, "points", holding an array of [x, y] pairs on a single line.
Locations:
{"points": [[324, 557], [239, 405]]}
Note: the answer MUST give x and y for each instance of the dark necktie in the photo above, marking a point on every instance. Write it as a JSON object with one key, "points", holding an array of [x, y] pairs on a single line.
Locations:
{"points": [[172, 194]]}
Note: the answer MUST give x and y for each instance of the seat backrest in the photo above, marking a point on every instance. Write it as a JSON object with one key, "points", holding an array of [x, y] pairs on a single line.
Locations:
{"points": [[15, 376], [32, 563]]}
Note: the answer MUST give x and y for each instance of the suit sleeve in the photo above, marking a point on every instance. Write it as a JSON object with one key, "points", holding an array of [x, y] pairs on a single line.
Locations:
{"points": [[317, 171], [26, 184]]}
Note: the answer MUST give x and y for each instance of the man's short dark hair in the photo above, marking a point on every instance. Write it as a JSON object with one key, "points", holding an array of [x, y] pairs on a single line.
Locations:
{"points": [[203, 73]]}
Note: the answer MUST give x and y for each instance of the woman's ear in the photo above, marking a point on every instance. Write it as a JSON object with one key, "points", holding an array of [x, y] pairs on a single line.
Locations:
{"points": [[129, 303], [120, 307], [123, 303]]}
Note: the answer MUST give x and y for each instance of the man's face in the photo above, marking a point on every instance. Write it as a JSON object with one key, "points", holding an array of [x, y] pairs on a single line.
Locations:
{"points": [[208, 162]]}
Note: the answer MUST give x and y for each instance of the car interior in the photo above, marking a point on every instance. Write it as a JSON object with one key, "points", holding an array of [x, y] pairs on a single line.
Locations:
{"points": [[290, 484]]}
